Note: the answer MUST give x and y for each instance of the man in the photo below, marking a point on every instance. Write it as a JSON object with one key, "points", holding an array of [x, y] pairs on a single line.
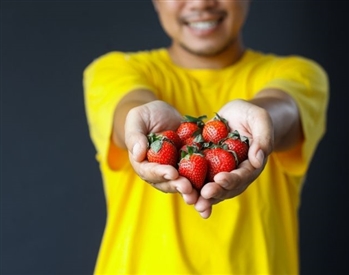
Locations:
{"points": [[247, 221]]}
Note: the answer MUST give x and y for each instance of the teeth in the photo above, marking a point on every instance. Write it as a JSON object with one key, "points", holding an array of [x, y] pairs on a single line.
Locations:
{"points": [[204, 25]]}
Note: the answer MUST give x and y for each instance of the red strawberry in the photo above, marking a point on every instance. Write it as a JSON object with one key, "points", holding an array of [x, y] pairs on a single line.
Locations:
{"points": [[218, 160], [237, 143], [193, 166], [172, 136], [195, 141], [161, 150], [215, 130], [190, 126]]}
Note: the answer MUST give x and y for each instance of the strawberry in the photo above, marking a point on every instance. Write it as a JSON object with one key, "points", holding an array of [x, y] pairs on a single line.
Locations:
{"points": [[190, 126], [195, 141], [237, 143], [161, 150], [218, 160], [193, 166], [172, 136], [215, 129]]}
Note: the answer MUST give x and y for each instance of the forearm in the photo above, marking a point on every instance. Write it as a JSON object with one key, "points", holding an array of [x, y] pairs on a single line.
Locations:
{"points": [[132, 99], [285, 117]]}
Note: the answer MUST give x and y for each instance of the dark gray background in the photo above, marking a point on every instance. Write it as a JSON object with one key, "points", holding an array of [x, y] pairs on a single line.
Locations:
{"points": [[52, 203]]}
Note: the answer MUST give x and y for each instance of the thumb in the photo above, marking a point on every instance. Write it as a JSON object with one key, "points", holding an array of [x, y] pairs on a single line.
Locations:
{"points": [[258, 151], [256, 157], [137, 145]]}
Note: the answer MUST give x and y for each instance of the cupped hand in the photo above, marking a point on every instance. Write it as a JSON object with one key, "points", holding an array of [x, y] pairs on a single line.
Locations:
{"points": [[155, 117], [255, 123]]}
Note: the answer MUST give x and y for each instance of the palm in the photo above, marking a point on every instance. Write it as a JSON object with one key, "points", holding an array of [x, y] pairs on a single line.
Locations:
{"points": [[237, 114]]}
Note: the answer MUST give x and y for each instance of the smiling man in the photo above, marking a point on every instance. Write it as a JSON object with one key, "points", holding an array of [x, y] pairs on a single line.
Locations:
{"points": [[245, 221], [204, 29]]}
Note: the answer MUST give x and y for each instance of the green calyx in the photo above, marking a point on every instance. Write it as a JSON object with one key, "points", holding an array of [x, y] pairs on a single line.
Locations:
{"points": [[198, 120], [155, 141], [218, 117], [190, 151], [236, 135]]}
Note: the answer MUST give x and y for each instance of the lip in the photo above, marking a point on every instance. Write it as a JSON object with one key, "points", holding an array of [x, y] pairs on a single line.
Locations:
{"points": [[203, 28], [203, 25]]}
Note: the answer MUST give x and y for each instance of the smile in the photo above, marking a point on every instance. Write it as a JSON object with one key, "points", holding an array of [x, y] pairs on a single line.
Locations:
{"points": [[203, 25]]}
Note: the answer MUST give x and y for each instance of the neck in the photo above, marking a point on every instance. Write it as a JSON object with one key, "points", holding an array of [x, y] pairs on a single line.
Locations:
{"points": [[188, 59]]}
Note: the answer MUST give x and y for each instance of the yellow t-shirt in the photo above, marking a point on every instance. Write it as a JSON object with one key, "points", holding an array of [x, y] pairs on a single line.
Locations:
{"points": [[149, 232]]}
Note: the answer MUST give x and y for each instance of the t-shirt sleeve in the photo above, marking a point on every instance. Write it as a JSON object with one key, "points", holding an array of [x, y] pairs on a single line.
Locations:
{"points": [[307, 82], [106, 81]]}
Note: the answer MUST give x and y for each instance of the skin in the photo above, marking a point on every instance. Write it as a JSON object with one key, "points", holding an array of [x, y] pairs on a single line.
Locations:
{"points": [[215, 48], [271, 119]]}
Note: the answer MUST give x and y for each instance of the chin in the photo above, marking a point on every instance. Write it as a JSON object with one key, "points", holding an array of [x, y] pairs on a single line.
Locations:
{"points": [[205, 51]]}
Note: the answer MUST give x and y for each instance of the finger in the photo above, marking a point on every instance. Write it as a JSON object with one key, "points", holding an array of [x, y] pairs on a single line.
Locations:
{"points": [[207, 213], [189, 194], [227, 184], [163, 187], [245, 173], [212, 190], [191, 198], [179, 185], [234, 183], [202, 205], [260, 146], [154, 172], [256, 155], [183, 185], [236, 178], [137, 145], [136, 135]]}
